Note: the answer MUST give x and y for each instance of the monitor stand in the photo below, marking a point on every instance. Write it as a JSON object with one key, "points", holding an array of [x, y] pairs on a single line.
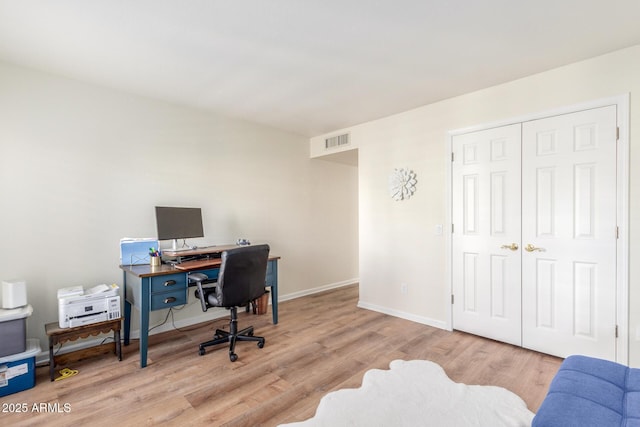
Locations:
{"points": [[175, 248]]}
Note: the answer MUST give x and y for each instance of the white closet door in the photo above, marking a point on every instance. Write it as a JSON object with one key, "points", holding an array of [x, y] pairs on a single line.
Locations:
{"points": [[486, 217], [569, 219]]}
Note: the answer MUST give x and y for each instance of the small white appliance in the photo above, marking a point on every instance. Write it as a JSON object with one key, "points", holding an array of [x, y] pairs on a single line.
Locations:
{"points": [[77, 306], [14, 293]]}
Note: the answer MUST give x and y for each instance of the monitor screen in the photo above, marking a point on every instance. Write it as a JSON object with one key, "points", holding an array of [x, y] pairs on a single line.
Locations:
{"points": [[178, 223]]}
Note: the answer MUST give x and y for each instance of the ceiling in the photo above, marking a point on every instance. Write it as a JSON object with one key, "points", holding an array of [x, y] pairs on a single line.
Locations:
{"points": [[309, 66]]}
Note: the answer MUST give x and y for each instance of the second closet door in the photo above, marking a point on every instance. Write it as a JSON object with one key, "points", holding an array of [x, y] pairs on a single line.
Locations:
{"points": [[569, 234]]}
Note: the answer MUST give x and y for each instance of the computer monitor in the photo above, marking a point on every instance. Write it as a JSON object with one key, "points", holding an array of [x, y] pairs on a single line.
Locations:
{"points": [[175, 223]]}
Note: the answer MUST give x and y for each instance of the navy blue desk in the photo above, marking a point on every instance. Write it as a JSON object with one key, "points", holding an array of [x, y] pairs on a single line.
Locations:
{"points": [[156, 288]]}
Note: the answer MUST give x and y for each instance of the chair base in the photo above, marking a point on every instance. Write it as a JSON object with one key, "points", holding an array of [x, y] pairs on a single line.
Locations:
{"points": [[232, 336]]}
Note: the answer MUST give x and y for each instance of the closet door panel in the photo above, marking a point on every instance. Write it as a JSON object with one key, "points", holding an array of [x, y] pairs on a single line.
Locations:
{"points": [[569, 233], [486, 206]]}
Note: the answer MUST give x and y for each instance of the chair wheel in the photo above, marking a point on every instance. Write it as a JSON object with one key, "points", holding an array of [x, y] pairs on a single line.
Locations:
{"points": [[260, 344], [201, 351], [233, 357]]}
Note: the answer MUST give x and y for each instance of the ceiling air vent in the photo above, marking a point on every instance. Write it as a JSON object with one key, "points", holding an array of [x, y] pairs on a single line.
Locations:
{"points": [[336, 141]]}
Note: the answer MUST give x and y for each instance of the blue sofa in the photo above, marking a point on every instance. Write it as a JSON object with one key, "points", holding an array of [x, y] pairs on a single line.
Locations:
{"points": [[591, 392]]}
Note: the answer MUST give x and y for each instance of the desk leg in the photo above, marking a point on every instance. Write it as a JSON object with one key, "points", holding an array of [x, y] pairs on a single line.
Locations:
{"points": [[274, 304], [127, 321], [127, 311], [145, 307], [274, 295]]}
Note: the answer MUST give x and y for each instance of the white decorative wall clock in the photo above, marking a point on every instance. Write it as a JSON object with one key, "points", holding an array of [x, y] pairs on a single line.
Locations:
{"points": [[402, 184]]}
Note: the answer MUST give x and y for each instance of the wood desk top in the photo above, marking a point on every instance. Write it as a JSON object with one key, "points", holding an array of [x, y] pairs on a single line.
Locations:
{"points": [[146, 270]]}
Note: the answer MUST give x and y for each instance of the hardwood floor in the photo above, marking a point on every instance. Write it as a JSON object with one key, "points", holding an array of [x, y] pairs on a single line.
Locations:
{"points": [[322, 343]]}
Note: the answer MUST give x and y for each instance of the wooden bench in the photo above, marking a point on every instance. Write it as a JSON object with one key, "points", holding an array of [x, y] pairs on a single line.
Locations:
{"points": [[58, 335]]}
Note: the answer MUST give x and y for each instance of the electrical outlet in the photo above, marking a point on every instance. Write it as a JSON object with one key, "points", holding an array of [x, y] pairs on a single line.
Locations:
{"points": [[404, 289], [438, 230]]}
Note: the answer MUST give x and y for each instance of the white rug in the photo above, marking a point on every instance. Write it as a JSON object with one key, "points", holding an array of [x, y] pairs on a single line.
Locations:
{"points": [[418, 393]]}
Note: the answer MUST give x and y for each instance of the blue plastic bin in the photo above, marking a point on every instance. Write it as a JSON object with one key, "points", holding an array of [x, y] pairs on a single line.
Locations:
{"points": [[18, 371]]}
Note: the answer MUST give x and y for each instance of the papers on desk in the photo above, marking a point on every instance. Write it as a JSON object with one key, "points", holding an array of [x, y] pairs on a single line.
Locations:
{"points": [[135, 251]]}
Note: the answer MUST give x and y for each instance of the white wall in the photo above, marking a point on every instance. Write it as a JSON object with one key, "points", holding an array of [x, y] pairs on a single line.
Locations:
{"points": [[83, 166], [397, 239]]}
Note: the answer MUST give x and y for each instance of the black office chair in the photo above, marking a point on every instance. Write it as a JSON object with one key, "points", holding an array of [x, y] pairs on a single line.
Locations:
{"points": [[241, 280]]}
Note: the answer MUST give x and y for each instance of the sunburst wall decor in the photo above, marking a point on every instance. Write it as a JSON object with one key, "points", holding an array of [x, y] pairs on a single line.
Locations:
{"points": [[402, 184]]}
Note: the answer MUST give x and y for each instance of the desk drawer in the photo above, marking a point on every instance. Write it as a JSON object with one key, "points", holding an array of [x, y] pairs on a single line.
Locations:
{"points": [[168, 299], [168, 282]]}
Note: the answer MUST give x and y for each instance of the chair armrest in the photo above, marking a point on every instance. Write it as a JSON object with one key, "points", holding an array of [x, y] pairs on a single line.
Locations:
{"points": [[202, 296], [198, 278]]}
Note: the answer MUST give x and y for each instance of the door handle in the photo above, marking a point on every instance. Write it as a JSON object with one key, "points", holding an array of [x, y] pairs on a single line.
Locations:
{"points": [[513, 247], [531, 248]]}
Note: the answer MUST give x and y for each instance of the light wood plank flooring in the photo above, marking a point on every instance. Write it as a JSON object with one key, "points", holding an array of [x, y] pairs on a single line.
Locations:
{"points": [[322, 343]]}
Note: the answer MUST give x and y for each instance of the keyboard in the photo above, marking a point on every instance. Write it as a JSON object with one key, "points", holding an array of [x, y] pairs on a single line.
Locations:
{"points": [[199, 263]]}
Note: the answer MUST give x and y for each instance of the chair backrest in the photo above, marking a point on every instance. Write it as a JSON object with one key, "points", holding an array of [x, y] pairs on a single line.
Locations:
{"points": [[242, 275]]}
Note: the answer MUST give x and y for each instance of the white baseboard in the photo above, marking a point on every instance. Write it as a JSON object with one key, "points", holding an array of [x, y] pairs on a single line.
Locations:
{"points": [[317, 290], [404, 315]]}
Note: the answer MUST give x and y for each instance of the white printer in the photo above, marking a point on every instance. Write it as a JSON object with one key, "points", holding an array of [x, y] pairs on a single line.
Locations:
{"points": [[77, 306]]}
